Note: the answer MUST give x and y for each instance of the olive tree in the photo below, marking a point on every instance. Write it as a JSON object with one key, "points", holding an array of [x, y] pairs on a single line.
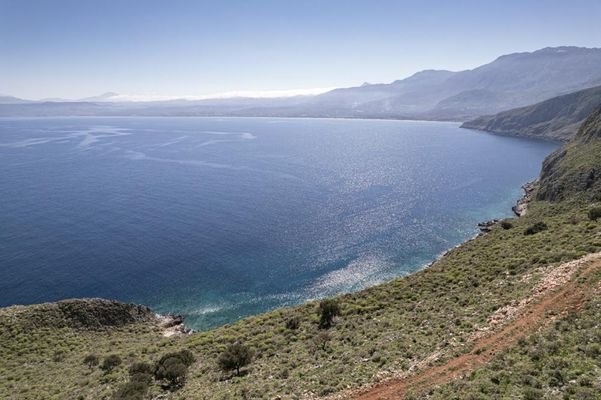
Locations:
{"points": [[234, 357]]}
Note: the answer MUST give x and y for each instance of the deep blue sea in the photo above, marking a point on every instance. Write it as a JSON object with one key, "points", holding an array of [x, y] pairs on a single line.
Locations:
{"points": [[221, 218]]}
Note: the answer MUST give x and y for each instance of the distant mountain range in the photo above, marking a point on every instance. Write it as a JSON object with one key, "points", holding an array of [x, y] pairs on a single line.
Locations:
{"points": [[511, 81], [558, 118], [12, 100]]}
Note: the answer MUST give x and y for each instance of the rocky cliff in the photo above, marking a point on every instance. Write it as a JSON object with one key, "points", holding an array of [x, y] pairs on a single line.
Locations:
{"points": [[575, 169]]}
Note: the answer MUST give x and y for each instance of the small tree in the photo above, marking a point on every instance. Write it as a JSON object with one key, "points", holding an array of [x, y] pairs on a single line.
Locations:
{"points": [[328, 309], [173, 368], [235, 357], [506, 225], [91, 360], [110, 362], [594, 213]]}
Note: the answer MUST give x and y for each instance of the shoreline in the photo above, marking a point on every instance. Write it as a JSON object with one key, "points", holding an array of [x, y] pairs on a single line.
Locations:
{"points": [[521, 207], [175, 324]]}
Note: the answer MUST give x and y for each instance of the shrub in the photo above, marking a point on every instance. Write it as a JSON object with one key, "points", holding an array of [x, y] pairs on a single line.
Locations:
{"points": [[173, 368], [321, 340], [58, 356], [110, 362], [293, 323], [187, 357], [594, 213], [506, 225], [132, 390], [328, 309], [532, 394], [141, 368], [91, 360], [536, 228], [235, 357], [175, 374], [141, 377]]}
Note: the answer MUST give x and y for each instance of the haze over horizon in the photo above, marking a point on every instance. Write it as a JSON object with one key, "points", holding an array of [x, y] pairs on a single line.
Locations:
{"points": [[152, 50]]}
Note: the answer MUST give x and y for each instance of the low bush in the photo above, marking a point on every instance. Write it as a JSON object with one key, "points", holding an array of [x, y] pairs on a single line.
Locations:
{"points": [[141, 368], [293, 323], [91, 360], [110, 362], [321, 340], [132, 390], [594, 213], [536, 228]]}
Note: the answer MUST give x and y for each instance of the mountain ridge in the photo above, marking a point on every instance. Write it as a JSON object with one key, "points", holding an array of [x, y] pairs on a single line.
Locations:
{"points": [[509, 81]]}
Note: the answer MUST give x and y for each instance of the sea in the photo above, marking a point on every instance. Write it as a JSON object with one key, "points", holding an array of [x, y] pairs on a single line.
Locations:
{"points": [[222, 218]]}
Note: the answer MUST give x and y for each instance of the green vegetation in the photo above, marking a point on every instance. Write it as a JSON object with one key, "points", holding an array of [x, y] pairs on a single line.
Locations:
{"points": [[234, 357], [378, 332], [506, 225], [574, 170], [328, 310], [293, 322], [111, 362], [170, 370], [173, 368], [594, 213], [561, 362], [535, 228], [91, 360], [132, 390]]}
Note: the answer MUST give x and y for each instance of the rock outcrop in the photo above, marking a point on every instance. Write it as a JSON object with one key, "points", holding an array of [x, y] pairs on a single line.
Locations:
{"points": [[576, 167], [79, 314], [521, 206]]}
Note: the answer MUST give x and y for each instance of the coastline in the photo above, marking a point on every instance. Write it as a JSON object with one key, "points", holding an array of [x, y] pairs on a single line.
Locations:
{"points": [[174, 325], [521, 207]]}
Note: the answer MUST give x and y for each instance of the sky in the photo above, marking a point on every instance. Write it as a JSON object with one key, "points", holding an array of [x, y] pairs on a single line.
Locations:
{"points": [[158, 49]]}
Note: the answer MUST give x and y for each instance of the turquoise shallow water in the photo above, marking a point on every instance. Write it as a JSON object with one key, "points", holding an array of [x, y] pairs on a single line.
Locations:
{"points": [[220, 218]]}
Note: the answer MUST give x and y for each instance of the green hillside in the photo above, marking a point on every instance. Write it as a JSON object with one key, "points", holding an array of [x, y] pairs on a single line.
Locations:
{"points": [[563, 361], [575, 168]]}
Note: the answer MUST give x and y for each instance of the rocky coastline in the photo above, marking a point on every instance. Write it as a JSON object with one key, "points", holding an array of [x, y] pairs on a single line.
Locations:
{"points": [[521, 206], [173, 325]]}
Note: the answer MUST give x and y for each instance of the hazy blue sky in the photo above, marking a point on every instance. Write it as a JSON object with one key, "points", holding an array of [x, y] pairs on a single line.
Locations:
{"points": [[82, 48]]}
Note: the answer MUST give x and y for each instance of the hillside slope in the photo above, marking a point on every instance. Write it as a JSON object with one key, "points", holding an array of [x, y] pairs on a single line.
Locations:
{"points": [[562, 360], [575, 168], [557, 119]]}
